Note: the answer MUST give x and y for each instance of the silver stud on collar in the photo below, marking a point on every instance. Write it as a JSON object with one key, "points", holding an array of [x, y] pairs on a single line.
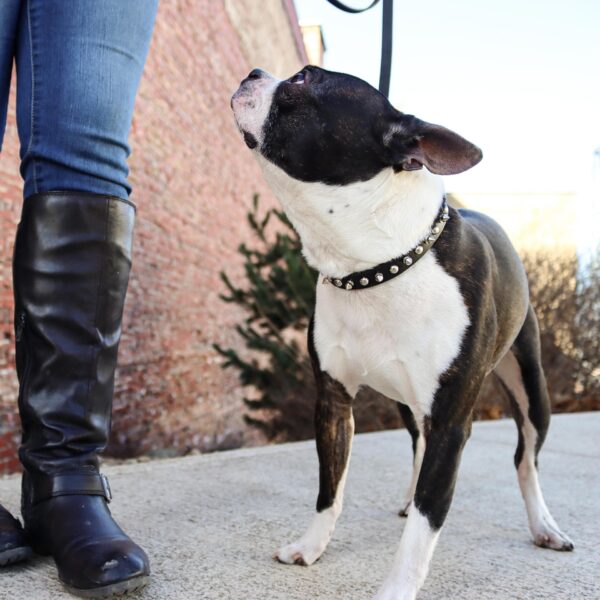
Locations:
{"points": [[366, 278]]}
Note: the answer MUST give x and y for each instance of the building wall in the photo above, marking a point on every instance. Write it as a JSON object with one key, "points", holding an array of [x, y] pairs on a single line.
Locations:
{"points": [[193, 183], [312, 35], [264, 34]]}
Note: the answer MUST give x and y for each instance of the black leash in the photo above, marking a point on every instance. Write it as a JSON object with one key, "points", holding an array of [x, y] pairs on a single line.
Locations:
{"points": [[386, 38]]}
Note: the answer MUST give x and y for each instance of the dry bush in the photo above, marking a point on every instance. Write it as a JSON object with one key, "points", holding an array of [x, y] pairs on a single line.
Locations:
{"points": [[566, 298]]}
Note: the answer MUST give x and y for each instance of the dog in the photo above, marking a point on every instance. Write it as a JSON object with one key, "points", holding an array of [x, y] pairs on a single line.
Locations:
{"points": [[416, 299]]}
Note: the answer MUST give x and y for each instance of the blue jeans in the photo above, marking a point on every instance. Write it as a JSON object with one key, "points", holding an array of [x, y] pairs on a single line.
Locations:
{"points": [[79, 63]]}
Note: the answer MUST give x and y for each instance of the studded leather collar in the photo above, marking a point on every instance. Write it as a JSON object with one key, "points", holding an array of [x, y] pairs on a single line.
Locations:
{"points": [[362, 280]]}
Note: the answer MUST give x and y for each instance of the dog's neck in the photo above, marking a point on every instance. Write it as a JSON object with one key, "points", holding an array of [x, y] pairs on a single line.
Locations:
{"points": [[357, 226]]}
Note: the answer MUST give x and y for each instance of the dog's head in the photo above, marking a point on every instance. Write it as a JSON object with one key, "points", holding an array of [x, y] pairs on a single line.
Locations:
{"points": [[337, 129]]}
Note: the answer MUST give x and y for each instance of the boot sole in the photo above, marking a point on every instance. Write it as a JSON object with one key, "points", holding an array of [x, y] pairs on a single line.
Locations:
{"points": [[10, 557], [110, 591]]}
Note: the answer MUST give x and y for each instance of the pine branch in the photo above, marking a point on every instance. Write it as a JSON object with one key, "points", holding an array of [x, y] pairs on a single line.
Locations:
{"points": [[277, 296]]}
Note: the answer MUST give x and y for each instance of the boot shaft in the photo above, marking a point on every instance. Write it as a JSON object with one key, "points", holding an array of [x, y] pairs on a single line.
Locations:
{"points": [[71, 269]]}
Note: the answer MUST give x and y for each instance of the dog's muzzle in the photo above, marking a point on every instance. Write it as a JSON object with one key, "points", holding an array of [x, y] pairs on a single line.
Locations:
{"points": [[251, 105]]}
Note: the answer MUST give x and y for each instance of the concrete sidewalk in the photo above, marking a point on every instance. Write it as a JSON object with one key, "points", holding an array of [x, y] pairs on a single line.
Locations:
{"points": [[211, 523]]}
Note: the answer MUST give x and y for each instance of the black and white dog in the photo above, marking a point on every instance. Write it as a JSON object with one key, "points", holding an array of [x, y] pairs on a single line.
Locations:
{"points": [[422, 301]]}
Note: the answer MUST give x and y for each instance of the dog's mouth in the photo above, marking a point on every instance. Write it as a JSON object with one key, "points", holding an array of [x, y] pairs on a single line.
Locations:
{"points": [[250, 140], [240, 101]]}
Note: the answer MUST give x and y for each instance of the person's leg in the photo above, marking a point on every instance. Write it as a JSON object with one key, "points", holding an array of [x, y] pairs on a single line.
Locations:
{"points": [[13, 547], [9, 18], [79, 63]]}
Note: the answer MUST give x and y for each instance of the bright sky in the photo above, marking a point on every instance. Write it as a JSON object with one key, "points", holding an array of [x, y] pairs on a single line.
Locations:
{"points": [[520, 78]]}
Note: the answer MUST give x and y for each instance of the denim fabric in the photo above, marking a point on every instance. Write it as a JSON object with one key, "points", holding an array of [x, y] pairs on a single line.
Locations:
{"points": [[79, 64], [9, 17]]}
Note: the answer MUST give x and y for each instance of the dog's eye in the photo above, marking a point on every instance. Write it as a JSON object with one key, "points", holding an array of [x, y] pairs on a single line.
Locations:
{"points": [[298, 78]]}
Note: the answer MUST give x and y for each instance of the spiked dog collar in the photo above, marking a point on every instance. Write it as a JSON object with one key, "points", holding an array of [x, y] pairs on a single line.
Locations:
{"points": [[361, 280]]}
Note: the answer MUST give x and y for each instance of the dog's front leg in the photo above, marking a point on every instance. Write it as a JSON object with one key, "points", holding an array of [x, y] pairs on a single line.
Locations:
{"points": [[444, 444], [334, 430]]}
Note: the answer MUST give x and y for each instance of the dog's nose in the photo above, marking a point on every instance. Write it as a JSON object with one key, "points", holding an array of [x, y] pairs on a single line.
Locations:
{"points": [[255, 74]]}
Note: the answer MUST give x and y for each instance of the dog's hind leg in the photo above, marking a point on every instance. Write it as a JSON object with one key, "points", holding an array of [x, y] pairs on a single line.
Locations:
{"points": [[418, 446], [521, 372], [334, 426]]}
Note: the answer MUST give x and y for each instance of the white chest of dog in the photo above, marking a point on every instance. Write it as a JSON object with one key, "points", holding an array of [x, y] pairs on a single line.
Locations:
{"points": [[398, 342]]}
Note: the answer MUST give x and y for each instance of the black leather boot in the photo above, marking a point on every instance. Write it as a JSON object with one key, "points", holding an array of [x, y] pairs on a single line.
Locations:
{"points": [[71, 268], [13, 546]]}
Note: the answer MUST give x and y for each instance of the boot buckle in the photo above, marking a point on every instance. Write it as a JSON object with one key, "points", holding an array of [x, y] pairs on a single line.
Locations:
{"points": [[106, 488]]}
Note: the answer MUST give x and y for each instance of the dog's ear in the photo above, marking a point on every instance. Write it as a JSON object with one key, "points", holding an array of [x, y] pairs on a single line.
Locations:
{"points": [[412, 144]]}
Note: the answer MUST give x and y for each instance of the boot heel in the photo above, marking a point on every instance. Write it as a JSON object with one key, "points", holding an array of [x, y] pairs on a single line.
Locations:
{"points": [[40, 548]]}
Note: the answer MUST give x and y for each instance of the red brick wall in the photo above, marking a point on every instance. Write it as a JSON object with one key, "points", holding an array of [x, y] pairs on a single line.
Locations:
{"points": [[10, 207], [193, 182]]}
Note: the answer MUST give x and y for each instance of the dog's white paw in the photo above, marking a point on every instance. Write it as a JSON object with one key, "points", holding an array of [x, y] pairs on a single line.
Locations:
{"points": [[548, 535], [303, 552], [312, 544]]}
